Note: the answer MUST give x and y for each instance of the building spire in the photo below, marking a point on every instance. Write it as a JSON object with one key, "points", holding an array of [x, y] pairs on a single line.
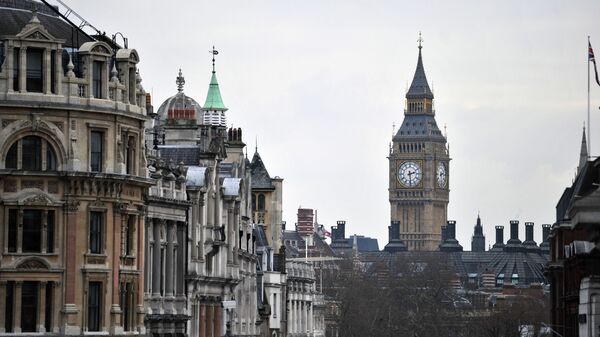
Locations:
{"points": [[419, 88], [214, 102], [583, 154]]}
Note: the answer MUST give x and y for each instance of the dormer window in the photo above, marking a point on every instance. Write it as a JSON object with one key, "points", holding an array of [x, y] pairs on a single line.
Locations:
{"points": [[35, 80]]}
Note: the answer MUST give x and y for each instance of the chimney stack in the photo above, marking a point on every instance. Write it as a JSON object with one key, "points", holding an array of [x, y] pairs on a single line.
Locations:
{"points": [[450, 244], [499, 238], [513, 244], [529, 243], [395, 244], [545, 245]]}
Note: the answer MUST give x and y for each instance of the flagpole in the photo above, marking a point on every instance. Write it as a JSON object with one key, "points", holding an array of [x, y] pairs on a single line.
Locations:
{"points": [[588, 104]]}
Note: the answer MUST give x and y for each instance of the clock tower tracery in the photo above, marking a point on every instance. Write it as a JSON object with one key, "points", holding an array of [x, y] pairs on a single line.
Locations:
{"points": [[419, 169]]}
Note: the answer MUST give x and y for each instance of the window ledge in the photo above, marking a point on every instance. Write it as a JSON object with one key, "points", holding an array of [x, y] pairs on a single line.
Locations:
{"points": [[30, 254]]}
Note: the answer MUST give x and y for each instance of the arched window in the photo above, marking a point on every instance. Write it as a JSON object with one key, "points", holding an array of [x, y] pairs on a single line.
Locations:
{"points": [[31, 153]]}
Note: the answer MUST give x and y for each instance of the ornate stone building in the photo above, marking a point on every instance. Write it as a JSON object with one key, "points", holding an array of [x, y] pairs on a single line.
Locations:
{"points": [[72, 178], [419, 169]]}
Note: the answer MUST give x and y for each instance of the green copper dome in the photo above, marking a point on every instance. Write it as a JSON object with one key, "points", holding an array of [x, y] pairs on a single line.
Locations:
{"points": [[213, 98]]}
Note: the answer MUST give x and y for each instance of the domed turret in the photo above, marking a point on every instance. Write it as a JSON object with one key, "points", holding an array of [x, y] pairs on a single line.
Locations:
{"points": [[180, 109]]}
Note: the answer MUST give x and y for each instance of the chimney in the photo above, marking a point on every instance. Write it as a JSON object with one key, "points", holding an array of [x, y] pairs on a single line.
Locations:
{"points": [[283, 226], [514, 244], [341, 229], [545, 245], [499, 238], [529, 242], [395, 244], [450, 244]]}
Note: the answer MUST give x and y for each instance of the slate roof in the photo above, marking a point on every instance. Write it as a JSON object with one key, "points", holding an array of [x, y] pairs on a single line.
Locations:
{"points": [[419, 88], [189, 155], [364, 244], [419, 127], [260, 177], [261, 237], [528, 266], [14, 15]]}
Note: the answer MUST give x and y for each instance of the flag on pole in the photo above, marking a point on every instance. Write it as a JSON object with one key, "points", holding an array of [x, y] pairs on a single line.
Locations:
{"points": [[593, 60]]}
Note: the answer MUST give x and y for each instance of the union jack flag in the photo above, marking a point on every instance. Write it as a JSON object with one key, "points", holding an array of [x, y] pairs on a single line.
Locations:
{"points": [[593, 60]]}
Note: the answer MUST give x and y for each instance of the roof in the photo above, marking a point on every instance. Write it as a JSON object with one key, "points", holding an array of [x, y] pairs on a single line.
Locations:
{"points": [[419, 127], [261, 237], [188, 155], [213, 97], [231, 187], [196, 176], [419, 88], [14, 15], [260, 177], [364, 244]]}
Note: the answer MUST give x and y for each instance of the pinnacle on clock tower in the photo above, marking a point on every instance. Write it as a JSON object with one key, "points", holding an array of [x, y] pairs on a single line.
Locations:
{"points": [[419, 168]]}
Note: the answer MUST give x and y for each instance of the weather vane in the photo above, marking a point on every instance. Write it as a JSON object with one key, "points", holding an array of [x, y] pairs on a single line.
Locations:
{"points": [[213, 52], [420, 39]]}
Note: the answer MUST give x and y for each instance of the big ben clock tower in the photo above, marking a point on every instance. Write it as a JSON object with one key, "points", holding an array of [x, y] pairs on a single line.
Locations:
{"points": [[419, 169]]}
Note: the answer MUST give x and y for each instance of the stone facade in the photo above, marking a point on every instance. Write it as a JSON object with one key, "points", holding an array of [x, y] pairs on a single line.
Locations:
{"points": [[73, 176]]}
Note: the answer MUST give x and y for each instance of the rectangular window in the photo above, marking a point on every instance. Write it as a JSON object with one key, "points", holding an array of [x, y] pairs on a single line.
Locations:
{"points": [[129, 235], [8, 315], [31, 148], [16, 66], [35, 81], [97, 79], [126, 305], [1, 55], [32, 231], [96, 224], [29, 303], [94, 306], [50, 232], [96, 151], [12, 230]]}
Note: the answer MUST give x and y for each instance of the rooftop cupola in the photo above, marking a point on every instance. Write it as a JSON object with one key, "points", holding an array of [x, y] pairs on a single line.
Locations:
{"points": [[419, 98], [214, 109]]}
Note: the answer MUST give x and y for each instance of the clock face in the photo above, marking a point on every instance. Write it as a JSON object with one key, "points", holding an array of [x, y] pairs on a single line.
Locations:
{"points": [[409, 174], [441, 176]]}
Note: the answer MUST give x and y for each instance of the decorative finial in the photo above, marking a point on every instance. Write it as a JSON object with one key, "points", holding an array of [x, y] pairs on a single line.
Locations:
{"points": [[256, 144], [420, 40], [34, 12], [213, 52], [180, 81], [445, 130], [393, 128]]}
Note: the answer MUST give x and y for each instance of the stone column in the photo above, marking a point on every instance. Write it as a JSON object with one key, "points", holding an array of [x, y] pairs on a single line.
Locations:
{"points": [[17, 306], [193, 221], [156, 263], [23, 71], [71, 324], [56, 295], [3, 284], [57, 71], [230, 238], [46, 86], [20, 231], [116, 314], [41, 321], [44, 231], [201, 224], [181, 258], [10, 84], [169, 258], [147, 280], [140, 247]]}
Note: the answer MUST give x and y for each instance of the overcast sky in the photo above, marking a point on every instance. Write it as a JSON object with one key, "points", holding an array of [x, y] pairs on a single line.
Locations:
{"points": [[321, 83]]}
